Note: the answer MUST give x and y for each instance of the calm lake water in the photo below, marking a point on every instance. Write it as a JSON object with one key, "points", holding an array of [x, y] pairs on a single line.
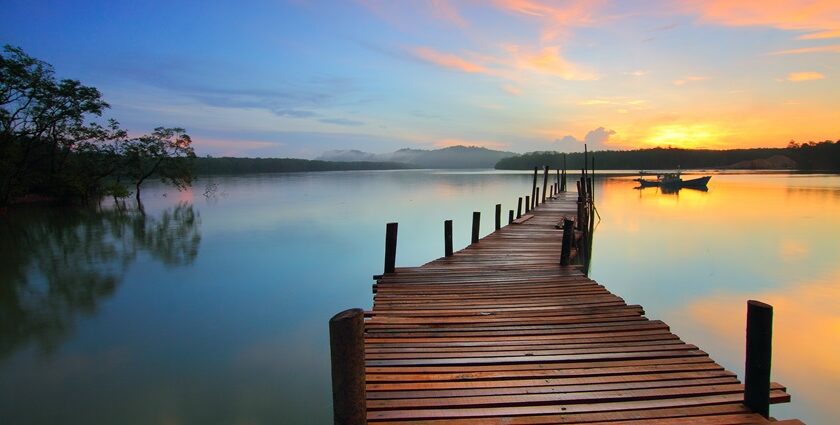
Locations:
{"points": [[213, 310]]}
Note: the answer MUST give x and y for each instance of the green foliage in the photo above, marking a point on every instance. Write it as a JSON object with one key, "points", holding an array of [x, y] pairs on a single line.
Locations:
{"points": [[167, 153], [50, 146]]}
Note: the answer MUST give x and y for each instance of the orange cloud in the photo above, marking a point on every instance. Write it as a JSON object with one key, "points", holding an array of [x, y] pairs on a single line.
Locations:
{"points": [[557, 18], [549, 61], [804, 76], [445, 143], [788, 15], [820, 35], [689, 79], [834, 48], [446, 60]]}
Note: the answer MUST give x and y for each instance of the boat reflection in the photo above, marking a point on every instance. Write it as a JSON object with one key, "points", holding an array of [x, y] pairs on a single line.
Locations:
{"points": [[672, 190]]}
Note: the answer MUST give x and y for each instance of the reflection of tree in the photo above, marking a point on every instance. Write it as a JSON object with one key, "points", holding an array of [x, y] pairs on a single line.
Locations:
{"points": [[57, 264]]}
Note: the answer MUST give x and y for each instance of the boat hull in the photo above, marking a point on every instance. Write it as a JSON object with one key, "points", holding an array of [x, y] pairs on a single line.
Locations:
{"points": [[697, 183]]}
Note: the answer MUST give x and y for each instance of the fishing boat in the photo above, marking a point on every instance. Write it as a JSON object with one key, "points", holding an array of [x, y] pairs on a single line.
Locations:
{"points": [[674, 181]]}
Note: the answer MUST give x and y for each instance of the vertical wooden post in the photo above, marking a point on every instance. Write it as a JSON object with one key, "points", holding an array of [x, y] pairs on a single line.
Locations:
{"points": [[545, 183], [533, 191], [447, 238], [759, 348], [580, 214], [390, 247], [519, 208], [347, 355], [527, 204], [537, 198], [510, 216], [475, 224], [563, 186], [498, 216], [566, 247]]}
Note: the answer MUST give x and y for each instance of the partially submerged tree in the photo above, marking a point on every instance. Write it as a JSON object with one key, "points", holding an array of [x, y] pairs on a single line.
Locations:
{"points": [[167, 153]]}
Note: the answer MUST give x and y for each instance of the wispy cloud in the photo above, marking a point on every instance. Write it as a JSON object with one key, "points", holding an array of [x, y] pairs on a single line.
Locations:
{"points": [[557, 18], [341, 121], [508, 65], [549, 60], [612, 101], [447, 60], [689, 79], [820, 35], [805, 76], [788, 15], [834, 48]]}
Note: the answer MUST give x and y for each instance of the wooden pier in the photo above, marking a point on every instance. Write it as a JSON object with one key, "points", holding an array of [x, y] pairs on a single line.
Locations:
{"points": [[501, 333]]}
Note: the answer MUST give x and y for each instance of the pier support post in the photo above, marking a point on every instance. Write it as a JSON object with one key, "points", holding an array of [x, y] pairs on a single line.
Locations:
{"points": [[519, 208], [566, 247], [347, 355], [498, 216], [757, 367], [475, 223], [533, 191], [527, 204], [537, 199], [447, 238], [390, 247], [510, 216], [545, 183]]}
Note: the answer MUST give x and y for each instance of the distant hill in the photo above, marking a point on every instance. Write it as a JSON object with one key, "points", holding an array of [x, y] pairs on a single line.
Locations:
{"points": [[451, 157]]}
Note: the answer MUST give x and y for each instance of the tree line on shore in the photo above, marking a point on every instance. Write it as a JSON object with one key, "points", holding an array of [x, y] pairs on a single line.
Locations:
{"points": [[52, 146], [810, 156], [230, 165]]}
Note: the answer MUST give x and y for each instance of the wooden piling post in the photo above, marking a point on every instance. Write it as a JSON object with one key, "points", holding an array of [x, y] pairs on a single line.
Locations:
{"points": [[347, 355], [447, 238], [545, 183], [759, 348], [510, 216], [533, 191], [498, 216], [527, 204], [519, 208], [566, 247], [537, 198], [475, 223], [390, 247]]}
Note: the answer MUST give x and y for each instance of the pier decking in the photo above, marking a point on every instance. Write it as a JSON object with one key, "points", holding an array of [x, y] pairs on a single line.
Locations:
{"points": [[500, 333]]}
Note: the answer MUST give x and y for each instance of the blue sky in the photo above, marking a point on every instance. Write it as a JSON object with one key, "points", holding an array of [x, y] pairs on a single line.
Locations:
{"points": [[301, 77]]}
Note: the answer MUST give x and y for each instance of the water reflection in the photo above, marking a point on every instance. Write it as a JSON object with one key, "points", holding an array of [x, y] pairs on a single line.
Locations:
{"points": [[806, 333], [59, 264]]}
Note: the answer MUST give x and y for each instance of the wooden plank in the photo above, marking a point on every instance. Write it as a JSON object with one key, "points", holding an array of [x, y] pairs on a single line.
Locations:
{"points": [[498, 332]]}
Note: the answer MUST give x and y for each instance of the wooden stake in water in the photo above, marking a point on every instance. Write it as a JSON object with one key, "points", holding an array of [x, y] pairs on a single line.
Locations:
{"points": [[447, 238], [347, 355], [759, 353], [475, 223], [390, 247]]}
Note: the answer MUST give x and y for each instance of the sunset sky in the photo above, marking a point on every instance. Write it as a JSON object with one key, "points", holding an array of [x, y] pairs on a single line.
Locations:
{"points": [[297, 78]]}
